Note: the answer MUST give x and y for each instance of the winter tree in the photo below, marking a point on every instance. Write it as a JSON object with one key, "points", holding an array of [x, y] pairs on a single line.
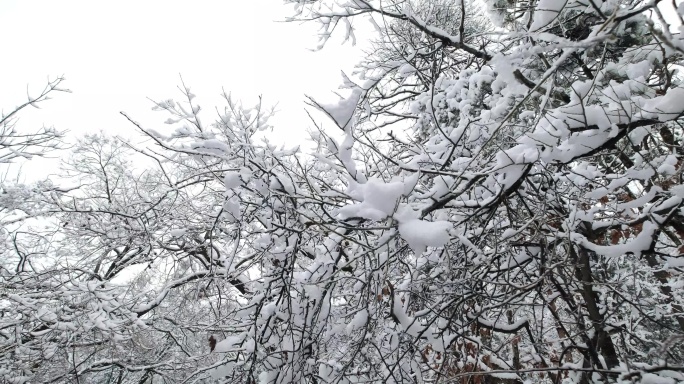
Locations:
{"points": [[541, 237], [501, 203]]}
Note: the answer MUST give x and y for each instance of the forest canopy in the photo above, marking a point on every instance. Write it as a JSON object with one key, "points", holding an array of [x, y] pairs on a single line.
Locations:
{"points": [[500, 200]]}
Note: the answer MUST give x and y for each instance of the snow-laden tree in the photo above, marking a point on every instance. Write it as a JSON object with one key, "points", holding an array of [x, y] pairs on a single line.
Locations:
{"points": [[20, 205], [547, 178], [131, 283], [148, 256], [22, 144], [504, 206]]}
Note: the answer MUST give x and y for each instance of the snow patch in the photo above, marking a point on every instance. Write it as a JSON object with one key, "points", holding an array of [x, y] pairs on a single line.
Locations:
{"points": [[547, 11], [232, 180], [343, 111], [178, 232], [378, 199], [420, 234]]}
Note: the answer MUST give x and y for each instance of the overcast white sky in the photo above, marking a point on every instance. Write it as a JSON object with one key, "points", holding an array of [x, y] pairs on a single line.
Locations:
{"points": [[116, 54]]}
